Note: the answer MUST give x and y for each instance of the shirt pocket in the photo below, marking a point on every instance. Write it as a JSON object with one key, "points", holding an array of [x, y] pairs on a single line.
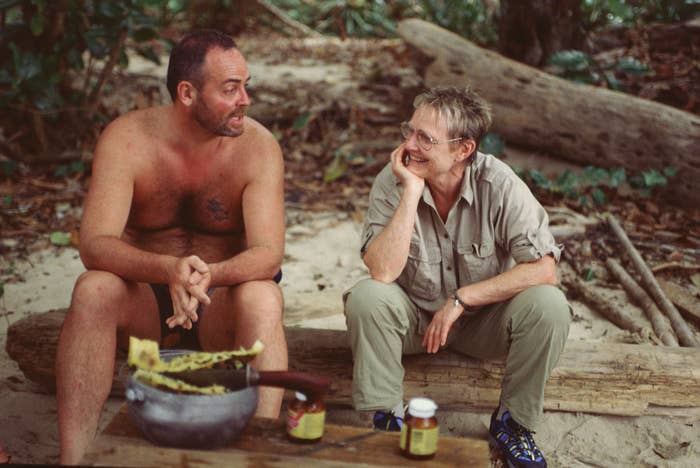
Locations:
{"points": [[479, 260], [421, 276]]}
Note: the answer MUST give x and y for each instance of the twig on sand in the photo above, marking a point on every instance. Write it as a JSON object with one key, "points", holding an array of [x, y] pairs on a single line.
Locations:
{"points": [[685, 335], [658, 322]]}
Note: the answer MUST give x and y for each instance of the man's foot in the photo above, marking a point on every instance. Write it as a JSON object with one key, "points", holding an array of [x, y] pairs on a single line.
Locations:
{"points": [[387, 421], [516, 442]]}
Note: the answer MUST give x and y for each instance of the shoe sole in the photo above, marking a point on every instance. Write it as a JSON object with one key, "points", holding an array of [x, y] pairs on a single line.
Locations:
{"points": [[493, 444]]}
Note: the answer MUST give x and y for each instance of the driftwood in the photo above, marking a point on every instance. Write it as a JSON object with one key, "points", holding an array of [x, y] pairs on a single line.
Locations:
{"points": [[685, 335], [688, 304], [581, 123], [605, 378], [603, 306], [659, 322]]}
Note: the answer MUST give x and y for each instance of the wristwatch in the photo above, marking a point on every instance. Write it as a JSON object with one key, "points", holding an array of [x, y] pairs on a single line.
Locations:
{"points": [[459, 302]]}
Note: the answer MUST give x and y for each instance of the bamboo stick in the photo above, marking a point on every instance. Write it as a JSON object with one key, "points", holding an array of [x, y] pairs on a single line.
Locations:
{"points": [[685, 335], [658, 322]]}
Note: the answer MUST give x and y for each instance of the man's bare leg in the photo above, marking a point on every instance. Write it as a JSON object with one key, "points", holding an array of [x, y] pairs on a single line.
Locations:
{"points": [[101, 303], [252, 311]]}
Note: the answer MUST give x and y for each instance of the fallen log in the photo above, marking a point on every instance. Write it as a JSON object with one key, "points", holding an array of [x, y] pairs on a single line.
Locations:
{"points": [[581, 123], [605, 378], [659, 322], [685, 335], [688, 304]]}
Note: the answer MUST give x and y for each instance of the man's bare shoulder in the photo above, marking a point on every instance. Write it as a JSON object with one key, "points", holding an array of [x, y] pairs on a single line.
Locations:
{"points": [[141, 124]]}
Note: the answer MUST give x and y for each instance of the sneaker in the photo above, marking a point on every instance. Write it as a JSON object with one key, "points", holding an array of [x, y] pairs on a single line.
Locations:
{"points": [[516, 442], [387, 421]]}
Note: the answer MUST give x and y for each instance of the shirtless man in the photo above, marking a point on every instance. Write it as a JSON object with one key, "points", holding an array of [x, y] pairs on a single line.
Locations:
{"points": [[182, 236]]}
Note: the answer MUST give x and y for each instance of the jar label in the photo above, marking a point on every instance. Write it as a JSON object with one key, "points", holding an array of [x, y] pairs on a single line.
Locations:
{"points": [[305, 425], [420, 441]]}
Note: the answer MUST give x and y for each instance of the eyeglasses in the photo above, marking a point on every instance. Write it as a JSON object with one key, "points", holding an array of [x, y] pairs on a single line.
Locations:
{"points": [[424, 140]]}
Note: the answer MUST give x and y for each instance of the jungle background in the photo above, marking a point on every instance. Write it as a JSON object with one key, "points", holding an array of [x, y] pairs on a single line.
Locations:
{"points": [[332, 80]]}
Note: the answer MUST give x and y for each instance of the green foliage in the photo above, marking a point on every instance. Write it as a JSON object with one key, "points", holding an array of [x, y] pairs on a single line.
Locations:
{"points": [[60, 238], [594, 184], [631, 12], [57, 55], [580, 67], [378, 18], [493, 144]]}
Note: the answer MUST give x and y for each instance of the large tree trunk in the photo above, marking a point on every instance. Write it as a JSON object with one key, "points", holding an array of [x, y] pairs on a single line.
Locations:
{"points": [[576, 122], [529, 31], [606, 378]]}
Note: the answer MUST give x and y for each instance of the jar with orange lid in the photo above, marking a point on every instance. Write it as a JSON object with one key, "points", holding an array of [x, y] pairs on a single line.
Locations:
{"points": [[305, 419], [419, 433]]}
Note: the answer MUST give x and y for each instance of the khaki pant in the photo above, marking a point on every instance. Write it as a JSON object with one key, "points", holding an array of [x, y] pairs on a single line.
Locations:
{"points": [[529, 330]]}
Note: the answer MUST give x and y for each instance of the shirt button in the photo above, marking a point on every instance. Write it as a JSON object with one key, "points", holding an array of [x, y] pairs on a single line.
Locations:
{"points": [[449, 268], [446, 236]]}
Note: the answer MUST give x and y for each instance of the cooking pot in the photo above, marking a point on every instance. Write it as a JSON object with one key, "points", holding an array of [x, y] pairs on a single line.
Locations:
{"points": [[189, 421]]}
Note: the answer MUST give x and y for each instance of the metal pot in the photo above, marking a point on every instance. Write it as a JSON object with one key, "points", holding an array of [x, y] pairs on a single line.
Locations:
{"points": [[189, 421]]}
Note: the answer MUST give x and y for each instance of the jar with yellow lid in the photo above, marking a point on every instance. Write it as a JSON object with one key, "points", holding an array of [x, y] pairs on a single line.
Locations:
{"points": [[305, 419], [419, 433]]}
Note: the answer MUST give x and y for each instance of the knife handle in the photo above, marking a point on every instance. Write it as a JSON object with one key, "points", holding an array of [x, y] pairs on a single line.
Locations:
{"points": [[301, 381]]}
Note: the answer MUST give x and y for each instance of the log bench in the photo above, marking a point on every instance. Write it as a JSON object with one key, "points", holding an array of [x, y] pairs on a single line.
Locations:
{"points": [[602, 378], [264, 443]]}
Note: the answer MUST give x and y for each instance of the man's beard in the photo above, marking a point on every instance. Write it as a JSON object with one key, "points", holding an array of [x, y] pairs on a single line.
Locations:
{"points": [[207, 120]]}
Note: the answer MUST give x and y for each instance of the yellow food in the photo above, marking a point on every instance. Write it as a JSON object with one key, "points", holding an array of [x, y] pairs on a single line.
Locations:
{"points": [[144, 355]]}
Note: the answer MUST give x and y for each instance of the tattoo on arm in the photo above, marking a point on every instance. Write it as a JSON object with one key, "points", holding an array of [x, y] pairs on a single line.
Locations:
{"points": [[216, 208]]}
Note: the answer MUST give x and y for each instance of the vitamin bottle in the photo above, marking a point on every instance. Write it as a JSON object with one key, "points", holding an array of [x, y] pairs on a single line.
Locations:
{"points": [[419, 433], [305, 419]]}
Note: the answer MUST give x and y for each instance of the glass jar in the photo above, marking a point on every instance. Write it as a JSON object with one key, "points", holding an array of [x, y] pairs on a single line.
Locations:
{"points": [[419, 433], [305, 419]]}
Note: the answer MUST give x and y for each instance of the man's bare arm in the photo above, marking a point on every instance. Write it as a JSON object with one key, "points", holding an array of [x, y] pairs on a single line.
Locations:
{"points": [[106, 212], [263, 217]]}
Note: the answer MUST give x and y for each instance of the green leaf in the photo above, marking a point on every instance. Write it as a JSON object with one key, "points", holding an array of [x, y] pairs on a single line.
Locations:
{"points": [[653, 178], [77, 166], [670, 171], [7, 200], [492, 143], [60, 238], [2, 289], [36, 25], [617, 176], [60, 170], [571, 60], [631, 66], [540, 179], [336, 169], [302, 121], [613, 82], [588, 274], [598, 196]]}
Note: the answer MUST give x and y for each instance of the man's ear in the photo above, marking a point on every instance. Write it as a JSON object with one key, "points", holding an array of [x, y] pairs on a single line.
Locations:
{"points": [[466, 148], [186, 92]]}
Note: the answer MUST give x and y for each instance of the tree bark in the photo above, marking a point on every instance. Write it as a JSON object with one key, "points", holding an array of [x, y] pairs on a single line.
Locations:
{"points": [[530, 31], [607, 378], [580, 123]]}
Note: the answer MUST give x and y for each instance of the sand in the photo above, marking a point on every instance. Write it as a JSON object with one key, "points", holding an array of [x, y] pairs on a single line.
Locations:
{"points": [[321, 261]]}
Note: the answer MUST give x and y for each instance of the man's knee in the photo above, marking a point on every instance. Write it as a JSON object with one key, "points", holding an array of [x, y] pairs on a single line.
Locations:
{"points": [[261, 298], [95, 291], [365, 299], [547, 307]]}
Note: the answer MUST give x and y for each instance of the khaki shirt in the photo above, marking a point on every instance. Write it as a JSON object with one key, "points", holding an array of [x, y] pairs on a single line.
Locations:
{"points": [[495, 223]]}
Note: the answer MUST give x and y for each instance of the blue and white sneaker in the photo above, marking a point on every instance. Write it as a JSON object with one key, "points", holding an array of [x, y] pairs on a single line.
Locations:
{"points": [[387, 421], [516, 442]]}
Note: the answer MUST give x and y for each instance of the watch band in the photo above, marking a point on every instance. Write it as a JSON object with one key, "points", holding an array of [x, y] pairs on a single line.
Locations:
{"points": [[459, 301]]}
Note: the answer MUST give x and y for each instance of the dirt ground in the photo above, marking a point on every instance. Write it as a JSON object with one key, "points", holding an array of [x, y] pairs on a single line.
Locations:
{"points": [[321, 261]]}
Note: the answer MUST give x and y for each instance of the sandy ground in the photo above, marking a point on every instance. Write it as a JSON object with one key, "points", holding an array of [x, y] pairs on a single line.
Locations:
{"points": [[321, 261]]}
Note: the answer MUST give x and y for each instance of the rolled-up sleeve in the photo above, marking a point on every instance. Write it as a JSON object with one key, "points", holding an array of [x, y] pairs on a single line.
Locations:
{"points": [[383, 200], [523, 224]]}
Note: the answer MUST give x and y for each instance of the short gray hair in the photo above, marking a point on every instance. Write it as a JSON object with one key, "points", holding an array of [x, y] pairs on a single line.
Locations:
{"points": [[467, 114]]}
